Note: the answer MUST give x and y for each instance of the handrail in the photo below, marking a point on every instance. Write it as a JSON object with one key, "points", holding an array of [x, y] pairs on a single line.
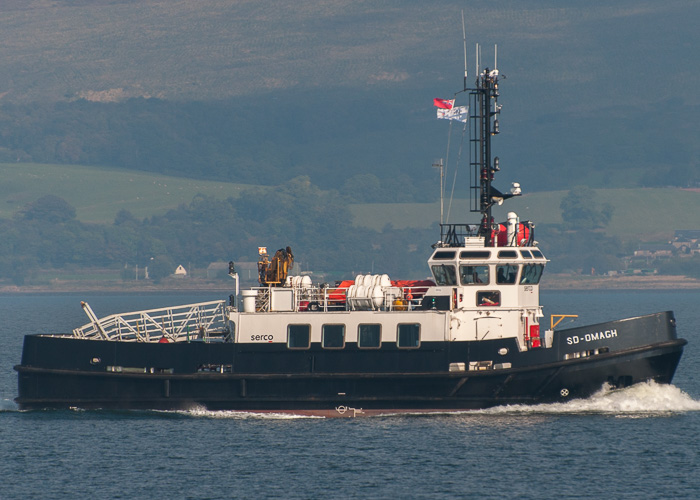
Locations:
{"points": [[205, 321], [319, 298]]}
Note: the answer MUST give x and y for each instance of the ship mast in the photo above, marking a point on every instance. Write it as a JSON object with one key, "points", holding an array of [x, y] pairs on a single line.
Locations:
{"points": [[483, 125], [484, 110]]}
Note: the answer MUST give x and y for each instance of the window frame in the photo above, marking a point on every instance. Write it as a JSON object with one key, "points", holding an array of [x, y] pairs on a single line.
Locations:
{"points": [[507, 254], [398, 336], [444, 255], [524, 275], [359, 336], [445, 266], [323, 335], [482, 283], [289, 334], [515, 276], [475, 254], [481, 295]]}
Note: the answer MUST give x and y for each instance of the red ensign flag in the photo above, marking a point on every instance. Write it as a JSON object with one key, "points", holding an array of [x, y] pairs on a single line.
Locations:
{"points": [[444, 103]]}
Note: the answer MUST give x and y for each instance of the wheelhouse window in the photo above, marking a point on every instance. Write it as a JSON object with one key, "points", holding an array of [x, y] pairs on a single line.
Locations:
{"points": [[475, 254], [531, 274], [444, 255], [369, 336], [506, 274], [333, 336], [526, 254], [474, 275], [492, 298], [298, 336], [507, 254], [408, 335], [537, 254], [444, 275]]}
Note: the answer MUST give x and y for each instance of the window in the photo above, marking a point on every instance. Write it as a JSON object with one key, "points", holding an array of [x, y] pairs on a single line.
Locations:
{"points": [[369, 336], [444, 255], [333, 336], [408, 335], [444, 275], [506, 274], [488, 298], [526, 254], [507, 254], [475, 254], [298, 336], [474, 275], [537, 254], [531, 274]]}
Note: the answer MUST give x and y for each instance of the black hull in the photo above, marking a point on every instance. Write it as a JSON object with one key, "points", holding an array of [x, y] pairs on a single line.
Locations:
{"points": [[324, 393]]}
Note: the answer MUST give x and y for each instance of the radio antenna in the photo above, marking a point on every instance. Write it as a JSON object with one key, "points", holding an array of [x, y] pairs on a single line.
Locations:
{"points": [[495, 56], [464, 38], [477, 60]]}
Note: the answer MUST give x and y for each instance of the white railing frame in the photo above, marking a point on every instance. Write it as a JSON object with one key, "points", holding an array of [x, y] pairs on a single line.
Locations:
{"points": [[173, 323], [322, 297]]}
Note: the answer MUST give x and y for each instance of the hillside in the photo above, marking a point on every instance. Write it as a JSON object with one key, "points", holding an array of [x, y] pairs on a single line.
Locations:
{"points": [[98, 193], [110, 50], [602, 94], [118, 222], [639, 214]]}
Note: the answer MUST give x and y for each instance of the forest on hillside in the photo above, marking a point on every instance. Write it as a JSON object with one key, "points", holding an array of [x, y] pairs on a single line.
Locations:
{"points": [[315, 223], [45, 234], [364, 145], [264, 142]]}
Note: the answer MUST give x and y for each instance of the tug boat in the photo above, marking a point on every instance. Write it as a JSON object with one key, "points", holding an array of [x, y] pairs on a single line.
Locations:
{"points": [[470, 338]]}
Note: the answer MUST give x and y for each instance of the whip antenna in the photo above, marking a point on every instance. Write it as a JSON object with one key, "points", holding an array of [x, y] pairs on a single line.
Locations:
{"points": [[464, 38]]}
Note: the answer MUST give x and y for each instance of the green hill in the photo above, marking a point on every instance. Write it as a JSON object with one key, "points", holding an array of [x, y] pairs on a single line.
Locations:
{"points": [[598, 93], [645, 214], [99, 193]]}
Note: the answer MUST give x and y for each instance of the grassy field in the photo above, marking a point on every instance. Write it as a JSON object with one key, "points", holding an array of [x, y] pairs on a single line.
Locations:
{"points": [[98, 193], [641, 214]]}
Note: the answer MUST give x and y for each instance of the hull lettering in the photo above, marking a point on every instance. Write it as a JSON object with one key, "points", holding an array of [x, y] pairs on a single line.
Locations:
{"points": [[591, 337]]}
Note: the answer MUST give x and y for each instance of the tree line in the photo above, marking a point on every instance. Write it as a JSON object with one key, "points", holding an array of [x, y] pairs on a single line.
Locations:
{"points": [[315, 223], [267, 141]]}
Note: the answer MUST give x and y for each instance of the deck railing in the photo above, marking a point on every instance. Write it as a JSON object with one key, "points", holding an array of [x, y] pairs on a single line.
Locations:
{"points": [[202, 321], [336, 299]]}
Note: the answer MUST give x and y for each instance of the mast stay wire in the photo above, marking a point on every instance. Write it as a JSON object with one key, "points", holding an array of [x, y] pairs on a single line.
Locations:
{"points": [[459, 156]]}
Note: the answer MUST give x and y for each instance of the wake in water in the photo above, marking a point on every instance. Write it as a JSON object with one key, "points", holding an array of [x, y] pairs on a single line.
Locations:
{"points": [[642, 400], [645, 399], [8, 405], [240, 415]]}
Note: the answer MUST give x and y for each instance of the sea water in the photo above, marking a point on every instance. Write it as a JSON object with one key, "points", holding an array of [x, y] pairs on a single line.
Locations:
{"points": [[640, 442]]}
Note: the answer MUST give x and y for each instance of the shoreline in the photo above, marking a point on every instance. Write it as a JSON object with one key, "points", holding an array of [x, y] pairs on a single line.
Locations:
{"points": [[73, 288], [551, 282], [654, 282]]}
